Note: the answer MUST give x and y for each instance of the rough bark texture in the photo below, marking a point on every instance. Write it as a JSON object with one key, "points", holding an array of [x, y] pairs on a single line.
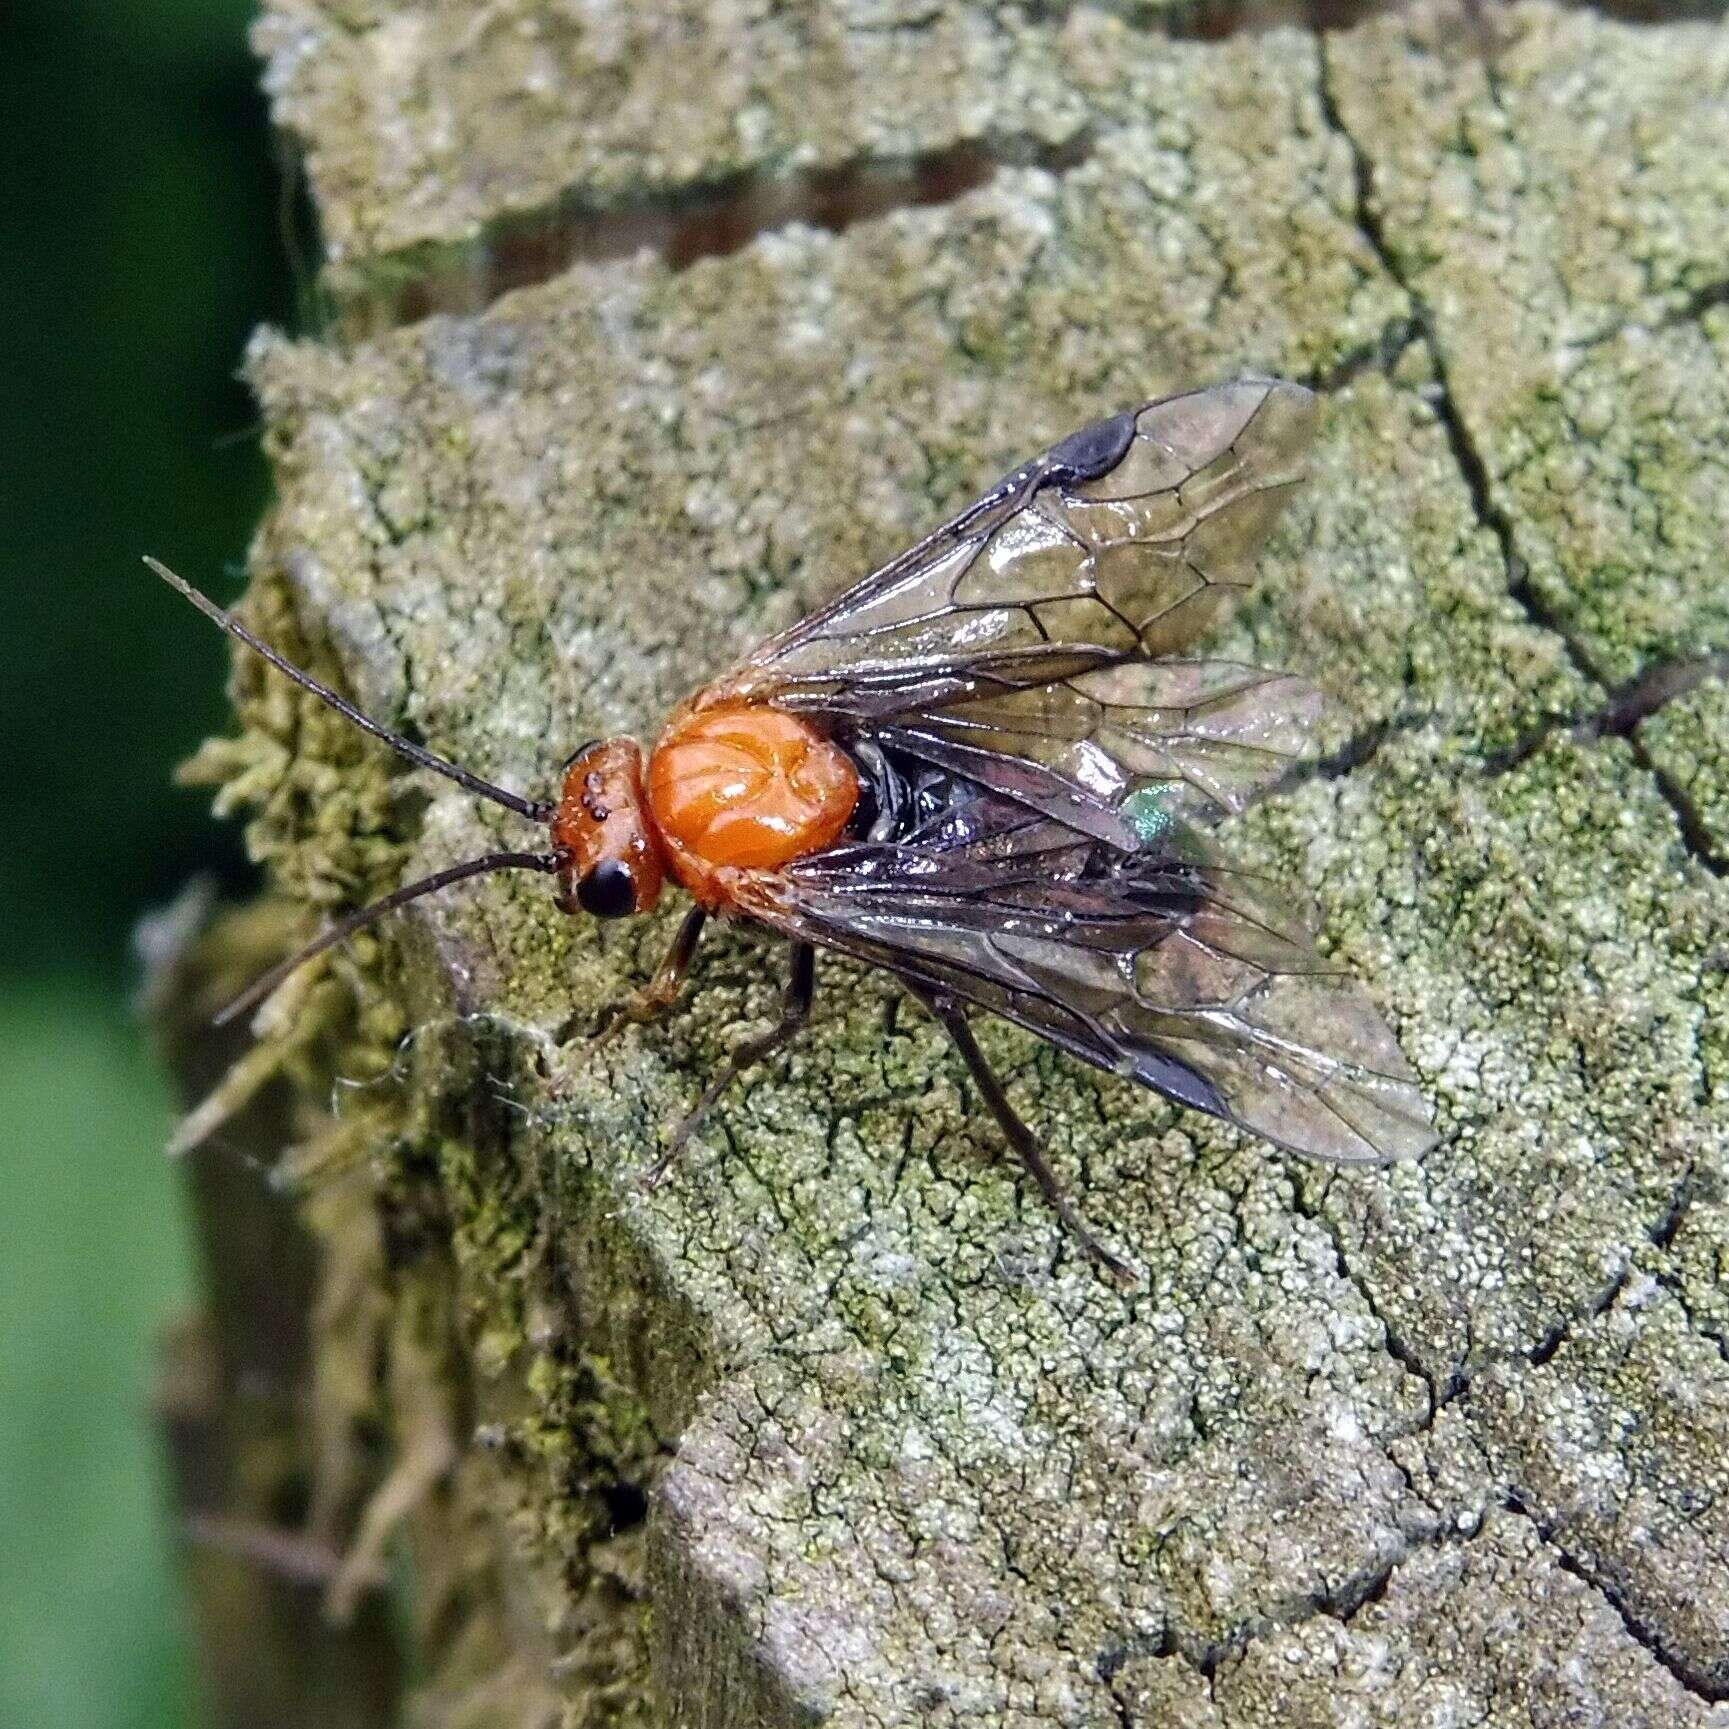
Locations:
{"points": [[1440, 1444]]}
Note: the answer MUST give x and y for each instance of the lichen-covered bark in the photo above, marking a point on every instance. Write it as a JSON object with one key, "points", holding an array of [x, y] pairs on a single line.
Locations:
{"points": [[415, 116], [1442, 1440], [1688, 742], [1551, 212]]}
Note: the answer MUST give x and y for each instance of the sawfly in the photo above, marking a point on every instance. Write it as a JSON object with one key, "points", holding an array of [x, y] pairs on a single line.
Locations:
{"points": [[989, 769]]}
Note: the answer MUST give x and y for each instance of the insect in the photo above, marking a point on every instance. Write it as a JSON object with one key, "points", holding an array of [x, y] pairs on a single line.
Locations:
{"points": [[981, 769]]}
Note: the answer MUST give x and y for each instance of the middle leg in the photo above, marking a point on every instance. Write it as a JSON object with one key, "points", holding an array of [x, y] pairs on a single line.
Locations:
{"points": [[795, 1011]]}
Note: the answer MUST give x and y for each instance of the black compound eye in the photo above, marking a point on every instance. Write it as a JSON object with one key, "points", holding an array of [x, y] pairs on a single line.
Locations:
{"points": [[608, 891]]}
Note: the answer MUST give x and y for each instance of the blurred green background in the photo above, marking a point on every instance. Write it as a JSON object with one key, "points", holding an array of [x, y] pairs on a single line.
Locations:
{"points": [[140, 240]]}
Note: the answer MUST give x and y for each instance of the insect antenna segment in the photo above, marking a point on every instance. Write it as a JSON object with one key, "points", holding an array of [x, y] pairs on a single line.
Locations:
{"points": [[534, 810], [358, 920]]}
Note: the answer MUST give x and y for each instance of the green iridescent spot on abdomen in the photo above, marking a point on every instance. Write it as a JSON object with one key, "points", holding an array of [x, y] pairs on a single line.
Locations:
{"points": [[1147, 810]]}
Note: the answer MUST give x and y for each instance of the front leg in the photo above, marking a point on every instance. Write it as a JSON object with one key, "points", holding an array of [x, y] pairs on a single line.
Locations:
{"points": [[661, 991], [795, 1011]]}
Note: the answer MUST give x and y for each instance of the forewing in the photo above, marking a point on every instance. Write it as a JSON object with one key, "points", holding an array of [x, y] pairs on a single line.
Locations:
{"points": [[1122, 542], [1178, 971]]}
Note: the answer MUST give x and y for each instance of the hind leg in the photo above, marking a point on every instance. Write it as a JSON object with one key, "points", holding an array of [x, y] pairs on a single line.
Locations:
{"points": [[1017, 1134]]}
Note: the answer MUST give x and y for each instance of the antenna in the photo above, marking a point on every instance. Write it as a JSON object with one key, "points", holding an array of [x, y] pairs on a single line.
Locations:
{"points": [[260, 988], [536, 810]]}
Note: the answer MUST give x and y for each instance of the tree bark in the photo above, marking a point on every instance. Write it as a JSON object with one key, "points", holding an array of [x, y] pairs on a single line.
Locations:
{"points": [[1441, 1442]]}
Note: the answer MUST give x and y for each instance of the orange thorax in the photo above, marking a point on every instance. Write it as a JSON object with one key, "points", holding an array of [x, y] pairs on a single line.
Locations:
{"points": [[741, 787]]}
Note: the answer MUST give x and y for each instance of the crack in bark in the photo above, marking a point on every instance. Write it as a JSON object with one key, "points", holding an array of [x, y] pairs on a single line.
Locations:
{"points": [[1645, 694], [1689, 311], [1380, 354], [1689, 1675], [1695, 835], [1361, 747], [1342, 1603], [1347, 1601], [689, 220], [1347, 1598], [1654, 12], [1551, 1342], [1697, 304], [1219, 20], [1394, 1344], [1659, 1235], [1655, 687]]}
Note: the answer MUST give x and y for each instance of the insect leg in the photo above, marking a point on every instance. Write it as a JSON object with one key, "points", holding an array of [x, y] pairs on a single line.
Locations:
{"points": [[662, 990], [1016, 1133], [795, 1011]]}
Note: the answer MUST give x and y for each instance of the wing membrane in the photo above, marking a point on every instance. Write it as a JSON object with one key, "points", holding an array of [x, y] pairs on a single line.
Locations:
{"points": [[1137, 743], [1121, 543], [1168, 967]]}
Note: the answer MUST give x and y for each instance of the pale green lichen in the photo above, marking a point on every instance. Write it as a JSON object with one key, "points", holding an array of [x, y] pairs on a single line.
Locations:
{"points": [[1556, 208], [425, 124], [1688, 741]]}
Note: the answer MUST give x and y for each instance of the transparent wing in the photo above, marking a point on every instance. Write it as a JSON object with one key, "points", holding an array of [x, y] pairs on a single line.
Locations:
{"points": [[1167, 966], [1123, 542], [1120, 751]]}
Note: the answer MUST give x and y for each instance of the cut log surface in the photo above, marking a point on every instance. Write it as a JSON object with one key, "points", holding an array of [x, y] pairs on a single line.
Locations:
{"points": [[1447, 1443]]}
